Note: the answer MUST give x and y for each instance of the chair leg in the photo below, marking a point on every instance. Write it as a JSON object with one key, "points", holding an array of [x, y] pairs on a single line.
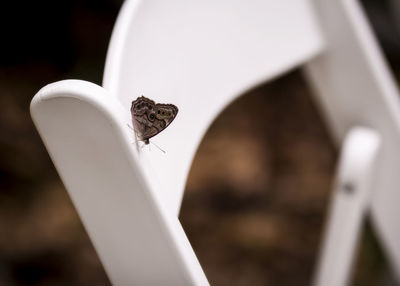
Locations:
{"points": [[350, 201]]}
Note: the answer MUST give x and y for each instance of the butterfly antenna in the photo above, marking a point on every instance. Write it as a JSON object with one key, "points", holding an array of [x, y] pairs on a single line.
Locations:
{"points": [[158, 147]]}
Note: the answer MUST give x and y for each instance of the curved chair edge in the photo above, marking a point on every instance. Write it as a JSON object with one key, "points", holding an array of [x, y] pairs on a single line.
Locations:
{"points": [[117, 43], [137, 238]]}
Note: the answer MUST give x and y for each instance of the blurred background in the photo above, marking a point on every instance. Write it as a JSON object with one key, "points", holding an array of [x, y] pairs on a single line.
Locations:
{"points": [[254, 218]]}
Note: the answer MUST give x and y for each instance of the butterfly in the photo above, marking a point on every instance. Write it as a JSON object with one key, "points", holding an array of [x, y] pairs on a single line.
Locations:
{"points": [[149, 118]]}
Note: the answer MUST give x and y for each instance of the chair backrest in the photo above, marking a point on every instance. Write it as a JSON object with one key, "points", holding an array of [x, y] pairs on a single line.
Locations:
{"points": [[201, 55]]}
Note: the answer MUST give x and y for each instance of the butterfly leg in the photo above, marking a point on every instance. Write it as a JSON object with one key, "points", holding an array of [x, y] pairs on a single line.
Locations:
{"points": [[157, 147]]}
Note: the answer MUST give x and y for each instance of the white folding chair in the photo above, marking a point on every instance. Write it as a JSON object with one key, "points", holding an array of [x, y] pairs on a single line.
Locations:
{"points": [[201, 55]]}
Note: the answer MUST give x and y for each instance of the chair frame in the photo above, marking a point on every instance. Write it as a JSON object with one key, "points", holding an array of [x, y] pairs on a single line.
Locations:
{"points": [[128, 198]]}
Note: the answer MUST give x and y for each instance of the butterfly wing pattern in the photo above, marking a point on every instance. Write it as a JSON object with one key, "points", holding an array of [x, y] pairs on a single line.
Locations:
{"points": [[149, 118]]}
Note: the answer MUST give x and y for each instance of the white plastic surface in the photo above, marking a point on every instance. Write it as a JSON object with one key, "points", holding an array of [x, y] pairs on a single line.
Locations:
{"points": [[139, 240], [350, 201], [201, 55], [198, 55], [355, 87]]}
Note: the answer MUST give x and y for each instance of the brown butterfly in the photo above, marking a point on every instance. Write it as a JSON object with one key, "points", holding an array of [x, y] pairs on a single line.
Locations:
{"points": [[149, 118]]}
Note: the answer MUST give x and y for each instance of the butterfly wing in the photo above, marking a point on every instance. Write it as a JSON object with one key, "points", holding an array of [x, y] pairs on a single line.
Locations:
{"points": [[149, 119], [165, 114]]}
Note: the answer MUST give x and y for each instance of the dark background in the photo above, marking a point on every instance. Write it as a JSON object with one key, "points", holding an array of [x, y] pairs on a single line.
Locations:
{"points": [[254, 218]]}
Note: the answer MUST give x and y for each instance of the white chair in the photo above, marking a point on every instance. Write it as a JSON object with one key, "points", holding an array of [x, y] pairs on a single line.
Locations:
{"points": [[201, 55]]}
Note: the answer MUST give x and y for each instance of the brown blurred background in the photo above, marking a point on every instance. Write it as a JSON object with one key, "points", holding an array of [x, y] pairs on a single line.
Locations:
{"points": [[254, 207]]}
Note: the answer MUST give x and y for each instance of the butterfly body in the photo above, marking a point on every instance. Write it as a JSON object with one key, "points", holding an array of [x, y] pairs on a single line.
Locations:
{"points": [[149, 118]]}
